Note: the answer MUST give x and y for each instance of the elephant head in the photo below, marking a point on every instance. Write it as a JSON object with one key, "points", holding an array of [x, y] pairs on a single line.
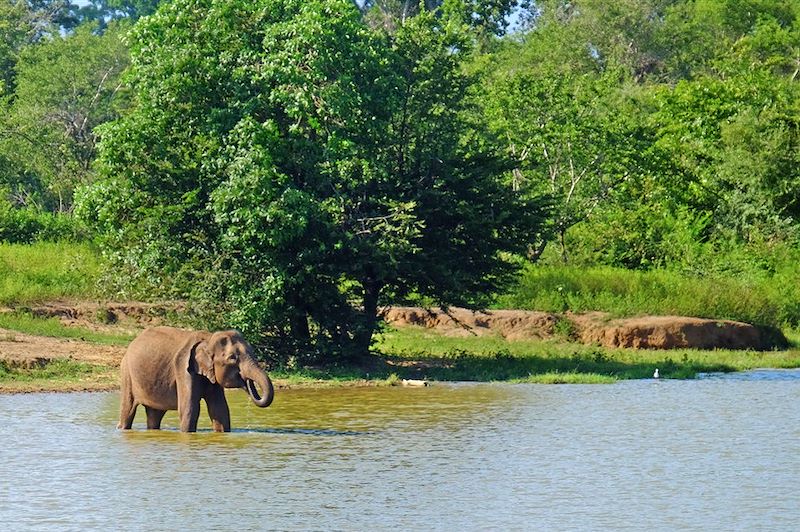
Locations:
{"points": [[226, 358]]}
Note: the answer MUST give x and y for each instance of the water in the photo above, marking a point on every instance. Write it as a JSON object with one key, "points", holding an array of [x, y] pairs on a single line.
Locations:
{"points": [[719, 453]]}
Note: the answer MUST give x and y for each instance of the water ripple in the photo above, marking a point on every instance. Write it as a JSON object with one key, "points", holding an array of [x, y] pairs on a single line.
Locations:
{"points": [[717, 453]]}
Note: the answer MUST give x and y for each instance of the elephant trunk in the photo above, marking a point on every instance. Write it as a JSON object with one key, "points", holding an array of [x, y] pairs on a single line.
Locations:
{"points": [[253, 375]]}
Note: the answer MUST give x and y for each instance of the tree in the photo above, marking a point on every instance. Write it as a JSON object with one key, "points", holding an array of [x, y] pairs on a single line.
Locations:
{"points": [[736, 142], [302, 169], [486, 18], [622, 34], [131, 9], [565, 121], [15, 30], [65, 87]]}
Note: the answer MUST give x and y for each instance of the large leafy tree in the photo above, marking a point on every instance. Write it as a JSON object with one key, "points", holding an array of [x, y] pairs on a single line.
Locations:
{"points": [[65, 86], [15, 31], [296, 166], [735, 142], [487, 18], [566, 120]]}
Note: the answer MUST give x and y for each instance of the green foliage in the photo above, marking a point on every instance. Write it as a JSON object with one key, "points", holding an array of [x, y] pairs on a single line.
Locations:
{"points": [[27, 225], [299, 168], [736, 142], [104, 10], [47, 271], [663, 130], [15, 28], [486, 18], [764, 298], [65, 87], [641, 235], [564, 128]]}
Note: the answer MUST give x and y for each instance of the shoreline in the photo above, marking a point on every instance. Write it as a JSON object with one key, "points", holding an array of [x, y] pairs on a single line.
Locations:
{"points": [[78, 354], [34, 387], [61, 387]]}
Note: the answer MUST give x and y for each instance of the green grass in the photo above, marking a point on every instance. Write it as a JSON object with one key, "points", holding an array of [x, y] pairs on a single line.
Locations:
{"points": [[29, 324], [496, 359], [772, 299], [566, 378], [46, 271], [57, 369]]}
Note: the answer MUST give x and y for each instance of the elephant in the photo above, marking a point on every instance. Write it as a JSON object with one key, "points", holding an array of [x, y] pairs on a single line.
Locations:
{"points": [[166, 368]]}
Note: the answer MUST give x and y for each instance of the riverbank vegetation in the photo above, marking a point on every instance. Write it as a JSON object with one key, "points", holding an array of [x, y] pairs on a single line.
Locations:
{"points": [[25, 322], [762, 297], [420, 354], [57, 375], [47, 271], [289, 167]]}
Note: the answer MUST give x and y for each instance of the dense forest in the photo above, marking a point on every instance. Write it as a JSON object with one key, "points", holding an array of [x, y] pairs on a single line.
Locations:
{"points": [[292, 166]]}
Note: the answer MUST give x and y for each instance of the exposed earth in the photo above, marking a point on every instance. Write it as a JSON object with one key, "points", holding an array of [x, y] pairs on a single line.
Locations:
{"points": [[646, 332]]}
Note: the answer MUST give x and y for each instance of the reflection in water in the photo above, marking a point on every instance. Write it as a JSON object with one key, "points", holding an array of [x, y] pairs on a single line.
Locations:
{"points": [[707, 454]]}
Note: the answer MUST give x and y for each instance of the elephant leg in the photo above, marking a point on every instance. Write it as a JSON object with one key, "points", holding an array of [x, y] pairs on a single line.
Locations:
{"points": [[154, 417], [189, 411], [218, 409], [127, 406]]}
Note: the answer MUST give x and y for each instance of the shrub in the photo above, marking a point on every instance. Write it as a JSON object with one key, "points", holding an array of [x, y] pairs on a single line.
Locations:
{"points": [[27, 225]]}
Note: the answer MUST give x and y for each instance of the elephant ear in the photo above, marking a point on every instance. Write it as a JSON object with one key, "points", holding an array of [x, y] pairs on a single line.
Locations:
{"points": [[202, 361]]}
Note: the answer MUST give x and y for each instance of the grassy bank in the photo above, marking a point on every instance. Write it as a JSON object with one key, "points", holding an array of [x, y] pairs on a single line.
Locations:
{"points": [[769, 298], [30, 274], [495, 359], [27, 323], [46, 271], [415, 353], [57, 375]]}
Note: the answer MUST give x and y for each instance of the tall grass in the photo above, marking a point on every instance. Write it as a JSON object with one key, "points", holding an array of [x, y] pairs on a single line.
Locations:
{"points": [[767, 300], [42, 271]]}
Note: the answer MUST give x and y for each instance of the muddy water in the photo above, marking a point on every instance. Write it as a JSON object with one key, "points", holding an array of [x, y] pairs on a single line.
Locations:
{"points": [[721, 453]]}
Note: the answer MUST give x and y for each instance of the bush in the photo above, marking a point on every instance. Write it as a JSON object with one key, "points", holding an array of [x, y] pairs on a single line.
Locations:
{"points": [[27, 225]]}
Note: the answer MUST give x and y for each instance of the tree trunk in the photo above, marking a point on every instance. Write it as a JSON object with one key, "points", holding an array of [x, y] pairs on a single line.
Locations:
{"points": [[369, 320], [298, 322]]}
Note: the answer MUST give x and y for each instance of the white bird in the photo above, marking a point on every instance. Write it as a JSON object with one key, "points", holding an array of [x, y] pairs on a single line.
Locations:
{"points": [[655, 375]]}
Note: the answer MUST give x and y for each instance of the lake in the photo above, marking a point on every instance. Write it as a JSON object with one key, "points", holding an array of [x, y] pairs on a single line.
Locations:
{"points": [[718, 453]]}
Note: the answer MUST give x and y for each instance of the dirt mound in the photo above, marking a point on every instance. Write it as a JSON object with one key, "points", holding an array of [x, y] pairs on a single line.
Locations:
{"points": [[671, 332], [510, 324], [646, 332]]}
